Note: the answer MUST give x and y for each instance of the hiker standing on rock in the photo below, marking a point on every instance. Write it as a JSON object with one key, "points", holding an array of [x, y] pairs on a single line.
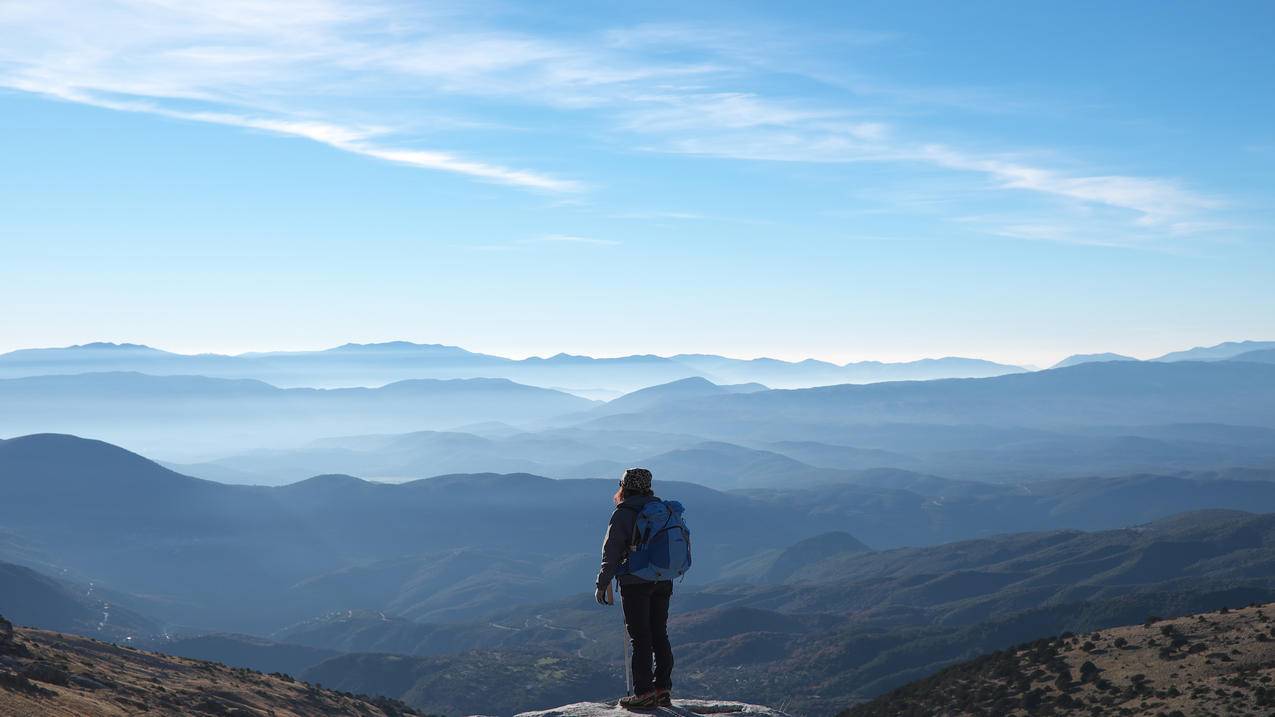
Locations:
{"points": [[647, 544]]}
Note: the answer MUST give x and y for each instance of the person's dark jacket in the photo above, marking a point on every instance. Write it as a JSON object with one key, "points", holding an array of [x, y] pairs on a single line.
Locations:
{"points": [[619, 535]]}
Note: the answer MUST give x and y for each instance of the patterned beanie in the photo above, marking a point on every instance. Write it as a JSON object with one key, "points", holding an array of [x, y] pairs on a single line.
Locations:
{"points": [[636, 479]]}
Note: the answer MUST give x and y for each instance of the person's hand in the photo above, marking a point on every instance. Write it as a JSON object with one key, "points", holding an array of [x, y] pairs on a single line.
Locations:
{"points": [[602, 597]]}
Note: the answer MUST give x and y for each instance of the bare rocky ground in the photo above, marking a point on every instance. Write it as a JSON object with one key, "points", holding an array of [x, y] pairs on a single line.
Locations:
{"points": [[48, 673], [1220, 663]]}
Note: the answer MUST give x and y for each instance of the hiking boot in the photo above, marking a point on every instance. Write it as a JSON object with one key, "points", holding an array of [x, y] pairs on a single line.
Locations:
{"points": [[665, 698], [645, 701]]}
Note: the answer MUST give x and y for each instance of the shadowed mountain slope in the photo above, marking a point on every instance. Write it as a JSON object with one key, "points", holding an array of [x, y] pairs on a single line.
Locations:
{"points": [[31, 598]]}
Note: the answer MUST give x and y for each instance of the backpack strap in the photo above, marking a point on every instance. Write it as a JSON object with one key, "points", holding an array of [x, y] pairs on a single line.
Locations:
{"points": [[637, 512]]}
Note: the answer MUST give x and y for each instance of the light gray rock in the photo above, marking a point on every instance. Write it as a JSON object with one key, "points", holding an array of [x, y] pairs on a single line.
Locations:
{"points": [[680, 708]]}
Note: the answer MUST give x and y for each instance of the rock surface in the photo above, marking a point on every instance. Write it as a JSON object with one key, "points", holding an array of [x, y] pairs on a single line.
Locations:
{"points": [[680, 708]]}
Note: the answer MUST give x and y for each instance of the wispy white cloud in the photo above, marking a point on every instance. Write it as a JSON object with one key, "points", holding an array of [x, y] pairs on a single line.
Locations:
{"points": [[354, 139], [1155, 201], [376, 77], [1151, 203], [253, 62]]}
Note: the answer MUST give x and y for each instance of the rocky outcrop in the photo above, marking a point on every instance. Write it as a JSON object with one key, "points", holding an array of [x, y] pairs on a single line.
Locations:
{"points": [[680, 708]]}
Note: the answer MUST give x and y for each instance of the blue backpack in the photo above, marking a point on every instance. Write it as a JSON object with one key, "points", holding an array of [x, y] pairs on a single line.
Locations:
{"points": [[661, 545]]}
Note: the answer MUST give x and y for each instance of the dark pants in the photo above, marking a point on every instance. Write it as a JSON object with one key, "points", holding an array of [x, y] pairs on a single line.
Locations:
{"points": [[646, 616]]}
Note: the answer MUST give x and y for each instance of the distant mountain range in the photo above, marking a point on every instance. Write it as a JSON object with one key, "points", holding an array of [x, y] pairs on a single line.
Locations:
{"points": [[245, 558], [1220, 352], [378, 364], [966, 452], [1107, 394], [1030, 420], [194, 414], [381, 363]]}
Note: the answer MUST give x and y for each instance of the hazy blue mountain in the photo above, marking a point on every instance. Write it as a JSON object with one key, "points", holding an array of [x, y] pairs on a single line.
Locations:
{"points": [[893, 508], [102, 357], [726, 465], [810, 372], [245, 557], [967, 452], [694, 387], [1077, 359], [971, 580], [1071, 455], [378, 364], [1260, 356], [559, 453], [185, 415], [1220, 352], [826, 455], [447, 586], [1217, 433], [1112, 393], [779, 564], [518, 626], [396, 457]]}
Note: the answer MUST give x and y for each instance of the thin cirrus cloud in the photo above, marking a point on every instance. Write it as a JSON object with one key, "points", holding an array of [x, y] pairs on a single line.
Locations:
{"points": [[780, 134], [345, 138], [238, 59], [295, 67]]}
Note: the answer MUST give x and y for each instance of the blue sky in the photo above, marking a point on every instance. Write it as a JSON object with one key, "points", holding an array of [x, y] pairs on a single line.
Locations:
{"points": [[1018, 181]]}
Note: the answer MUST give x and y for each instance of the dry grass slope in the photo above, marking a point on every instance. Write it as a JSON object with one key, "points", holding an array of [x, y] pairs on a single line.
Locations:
{"points": [[47, 673], [1220, 663]]}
